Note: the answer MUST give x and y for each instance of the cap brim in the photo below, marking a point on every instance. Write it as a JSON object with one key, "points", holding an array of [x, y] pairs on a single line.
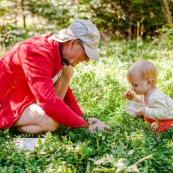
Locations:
{"points": [[62, 36], [91, 53]]}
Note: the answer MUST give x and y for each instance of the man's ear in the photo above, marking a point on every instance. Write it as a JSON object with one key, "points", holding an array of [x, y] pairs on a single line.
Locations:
{"points": [[72, 42]]}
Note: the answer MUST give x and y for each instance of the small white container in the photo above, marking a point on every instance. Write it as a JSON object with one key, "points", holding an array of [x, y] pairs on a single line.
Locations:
{"points": [[27, 143], [131, 107]]}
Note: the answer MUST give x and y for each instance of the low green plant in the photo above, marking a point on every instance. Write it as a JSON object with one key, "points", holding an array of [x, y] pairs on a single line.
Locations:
{"points": [[130, 146]]}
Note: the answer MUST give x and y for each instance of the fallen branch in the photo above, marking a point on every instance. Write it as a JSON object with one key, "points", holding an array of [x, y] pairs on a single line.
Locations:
{"points": [[141, 160]]}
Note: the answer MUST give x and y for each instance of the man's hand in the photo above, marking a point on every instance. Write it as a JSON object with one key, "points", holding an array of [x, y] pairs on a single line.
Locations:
{"points": [[98, 125], [92, 120], [67, 71]]}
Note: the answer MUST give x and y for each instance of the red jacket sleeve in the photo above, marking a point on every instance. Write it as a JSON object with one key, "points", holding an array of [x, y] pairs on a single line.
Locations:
{"points": [[38, 65], [71, 101]]}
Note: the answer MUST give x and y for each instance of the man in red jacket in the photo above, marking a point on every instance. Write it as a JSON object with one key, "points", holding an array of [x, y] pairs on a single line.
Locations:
{"points": [[35, 96]]}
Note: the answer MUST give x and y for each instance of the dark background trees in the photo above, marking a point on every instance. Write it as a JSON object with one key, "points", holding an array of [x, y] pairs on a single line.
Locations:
{"points": [[122, 19]]}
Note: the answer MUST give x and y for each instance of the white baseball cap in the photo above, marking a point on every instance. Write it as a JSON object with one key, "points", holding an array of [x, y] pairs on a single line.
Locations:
{"points": [[84, 30]]}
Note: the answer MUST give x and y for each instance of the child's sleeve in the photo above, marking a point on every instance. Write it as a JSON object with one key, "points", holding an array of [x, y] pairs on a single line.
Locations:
{"points": [[157, 109], [137, 99]]}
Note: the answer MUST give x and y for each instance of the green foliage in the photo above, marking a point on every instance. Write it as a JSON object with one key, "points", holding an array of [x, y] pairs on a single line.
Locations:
{"points": [[120, 19], [99, 86], [58, 12], [10, 35]]}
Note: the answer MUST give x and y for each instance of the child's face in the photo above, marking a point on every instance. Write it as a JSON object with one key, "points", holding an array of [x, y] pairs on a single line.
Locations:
{"points": [[138, 86]]}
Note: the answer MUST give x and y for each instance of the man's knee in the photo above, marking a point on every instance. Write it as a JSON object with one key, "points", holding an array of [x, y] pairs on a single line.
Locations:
{"points": [[50, 125], [53, 126], [34, 120]]}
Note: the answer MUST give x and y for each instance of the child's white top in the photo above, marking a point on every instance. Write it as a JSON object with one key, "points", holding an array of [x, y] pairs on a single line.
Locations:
{"points": [[159, 107]]}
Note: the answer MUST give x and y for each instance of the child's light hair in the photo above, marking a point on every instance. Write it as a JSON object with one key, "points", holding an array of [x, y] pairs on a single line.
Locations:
{"points": [[143, 70]]}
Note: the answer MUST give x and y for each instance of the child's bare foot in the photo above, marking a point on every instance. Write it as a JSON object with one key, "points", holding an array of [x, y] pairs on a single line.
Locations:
{"points": [[155, 128]]}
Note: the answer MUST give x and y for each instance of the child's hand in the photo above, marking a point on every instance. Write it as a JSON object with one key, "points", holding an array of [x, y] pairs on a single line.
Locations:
{"points": [[129, 95], [141, 112]]}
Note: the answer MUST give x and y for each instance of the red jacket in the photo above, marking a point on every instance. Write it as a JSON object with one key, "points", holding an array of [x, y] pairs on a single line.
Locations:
{"points": [[26, 73]]}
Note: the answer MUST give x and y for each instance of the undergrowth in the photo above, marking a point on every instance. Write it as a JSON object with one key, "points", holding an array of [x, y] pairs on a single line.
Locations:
{"points": [[130, 146]]}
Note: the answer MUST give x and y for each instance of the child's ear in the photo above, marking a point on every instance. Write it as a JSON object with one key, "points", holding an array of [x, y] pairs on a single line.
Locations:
{"points": [[150, 81]]}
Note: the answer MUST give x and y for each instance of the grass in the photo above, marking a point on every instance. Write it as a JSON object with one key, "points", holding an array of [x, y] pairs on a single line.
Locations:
{"points": [[99, 86]]}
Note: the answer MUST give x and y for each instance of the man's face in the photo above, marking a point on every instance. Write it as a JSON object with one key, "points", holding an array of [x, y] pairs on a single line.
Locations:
{"points": [[74, 53]]}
